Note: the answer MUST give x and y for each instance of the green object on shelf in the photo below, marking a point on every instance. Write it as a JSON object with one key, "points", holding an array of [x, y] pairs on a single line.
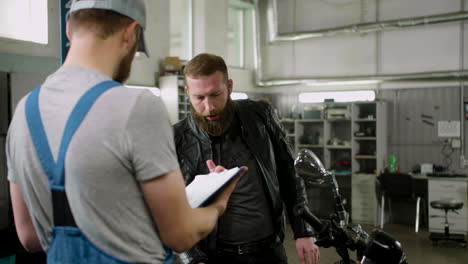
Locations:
{"points": [[8, 260], [392, 163]]}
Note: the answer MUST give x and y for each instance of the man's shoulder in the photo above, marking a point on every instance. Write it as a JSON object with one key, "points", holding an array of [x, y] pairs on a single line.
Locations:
{"points": [[247, 107], [252, 104], [181, 125], [19, 115], [181, 128]]}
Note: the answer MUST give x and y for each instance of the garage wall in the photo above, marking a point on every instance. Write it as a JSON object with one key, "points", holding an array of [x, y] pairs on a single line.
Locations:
{"points": [[417, 49], [413, 115], [441, 47]]}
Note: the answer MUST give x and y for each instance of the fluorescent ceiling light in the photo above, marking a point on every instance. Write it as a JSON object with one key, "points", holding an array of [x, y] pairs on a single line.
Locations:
{"points": [[155, 90], [344, 96], [238, 96]]}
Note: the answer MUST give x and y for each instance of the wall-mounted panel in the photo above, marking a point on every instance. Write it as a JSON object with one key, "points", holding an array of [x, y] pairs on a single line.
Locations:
{"points": [[397, 9], [352, 55], [303, 15], [279, 61], [421, 49], [243, 79], [285, 15], [313, 15]]}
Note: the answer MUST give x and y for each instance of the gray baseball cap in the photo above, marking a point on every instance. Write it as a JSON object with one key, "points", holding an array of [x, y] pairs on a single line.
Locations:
{"points": [[134, 9]]}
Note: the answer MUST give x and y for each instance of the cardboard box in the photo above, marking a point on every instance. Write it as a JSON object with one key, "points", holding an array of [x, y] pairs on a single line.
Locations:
{"points": [[172, 64]]}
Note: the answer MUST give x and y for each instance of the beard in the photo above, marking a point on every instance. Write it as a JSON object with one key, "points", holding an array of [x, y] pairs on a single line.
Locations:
{"points": [[125, 66], [215, 127]]}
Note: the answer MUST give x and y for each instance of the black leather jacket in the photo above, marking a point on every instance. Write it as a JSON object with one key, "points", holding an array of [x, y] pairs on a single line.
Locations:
{"points": [[262, 132]]}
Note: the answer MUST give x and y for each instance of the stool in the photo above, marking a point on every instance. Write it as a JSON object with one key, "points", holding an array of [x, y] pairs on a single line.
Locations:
{"points": [[447, 205]]}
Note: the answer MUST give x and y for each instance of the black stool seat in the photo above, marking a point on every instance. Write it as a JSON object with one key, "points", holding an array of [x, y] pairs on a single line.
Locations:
{"points": [[447, 204]]}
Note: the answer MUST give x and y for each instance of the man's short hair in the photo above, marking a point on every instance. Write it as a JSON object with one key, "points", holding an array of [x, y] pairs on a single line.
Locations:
{"points": [[101, 22], [118, 14], [205, 64]]}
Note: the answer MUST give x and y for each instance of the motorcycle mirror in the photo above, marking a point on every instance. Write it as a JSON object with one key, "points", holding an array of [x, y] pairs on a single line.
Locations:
{"points": [[309, 167]]}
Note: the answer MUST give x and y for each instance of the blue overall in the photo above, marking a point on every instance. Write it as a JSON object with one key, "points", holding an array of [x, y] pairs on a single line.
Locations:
{"points": [[69, 245]]}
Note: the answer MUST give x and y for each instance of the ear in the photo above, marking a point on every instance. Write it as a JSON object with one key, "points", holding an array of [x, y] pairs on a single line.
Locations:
{"points": [[230, 85], [129, 34], [67, 31]]}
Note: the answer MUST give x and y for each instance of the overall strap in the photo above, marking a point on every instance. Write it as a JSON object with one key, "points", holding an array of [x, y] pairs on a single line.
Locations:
{"points": [[55, 171], [76, 117]]}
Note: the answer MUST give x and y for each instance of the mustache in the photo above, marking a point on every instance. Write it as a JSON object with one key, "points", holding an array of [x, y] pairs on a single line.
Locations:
{"points": [[214, 113], [214, 127]]}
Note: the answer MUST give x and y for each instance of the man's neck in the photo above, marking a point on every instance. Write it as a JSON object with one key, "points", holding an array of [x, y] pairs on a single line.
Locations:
{"points": [[99, 55]]}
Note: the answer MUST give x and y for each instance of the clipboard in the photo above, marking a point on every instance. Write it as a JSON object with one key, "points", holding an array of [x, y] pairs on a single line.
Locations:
{"points": [[205, 186]]}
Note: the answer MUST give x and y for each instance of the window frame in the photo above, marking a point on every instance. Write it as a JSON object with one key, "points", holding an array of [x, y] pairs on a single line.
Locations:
{"points": [[189, 29], [28, 48], [244, 7]]}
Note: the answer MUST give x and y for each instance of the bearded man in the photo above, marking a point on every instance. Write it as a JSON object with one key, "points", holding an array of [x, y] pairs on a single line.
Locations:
{"points": [[232, 133]]}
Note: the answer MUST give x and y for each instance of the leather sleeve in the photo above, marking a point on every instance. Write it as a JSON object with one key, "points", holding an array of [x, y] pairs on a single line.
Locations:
{"points": [[186, 166], [195, 254], [292, 187]]}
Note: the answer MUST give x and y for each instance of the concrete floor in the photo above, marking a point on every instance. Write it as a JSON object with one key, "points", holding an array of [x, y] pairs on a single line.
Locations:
{"points": [[418, 248]]}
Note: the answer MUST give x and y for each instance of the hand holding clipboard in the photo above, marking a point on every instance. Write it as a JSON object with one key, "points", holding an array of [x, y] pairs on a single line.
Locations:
{"points": [[216, 186]]}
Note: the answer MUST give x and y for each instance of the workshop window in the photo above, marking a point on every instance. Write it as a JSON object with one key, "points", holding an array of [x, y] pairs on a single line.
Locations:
{"points": [[240, 33], [24, 20], [235, 37], [181, 29]]}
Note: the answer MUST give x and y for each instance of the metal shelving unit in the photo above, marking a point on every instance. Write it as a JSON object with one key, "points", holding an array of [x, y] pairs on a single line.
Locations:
{"points": [[350, 139], [369, 138], [174, 97]]}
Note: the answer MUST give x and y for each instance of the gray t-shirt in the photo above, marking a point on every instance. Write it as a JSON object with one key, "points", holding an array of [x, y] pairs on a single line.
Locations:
{"points": [[125, 138]]}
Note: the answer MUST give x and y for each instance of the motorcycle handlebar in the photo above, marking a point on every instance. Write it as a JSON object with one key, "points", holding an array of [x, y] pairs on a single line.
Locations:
{"points": [[303, 211], [379, 247]]}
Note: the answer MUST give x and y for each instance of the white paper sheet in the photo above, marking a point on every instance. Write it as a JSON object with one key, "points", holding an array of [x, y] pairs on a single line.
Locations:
{"points": [[204, 186]]}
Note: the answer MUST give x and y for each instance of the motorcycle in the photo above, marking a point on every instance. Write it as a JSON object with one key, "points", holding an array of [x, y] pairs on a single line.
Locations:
{"points": [[376, 248]]}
